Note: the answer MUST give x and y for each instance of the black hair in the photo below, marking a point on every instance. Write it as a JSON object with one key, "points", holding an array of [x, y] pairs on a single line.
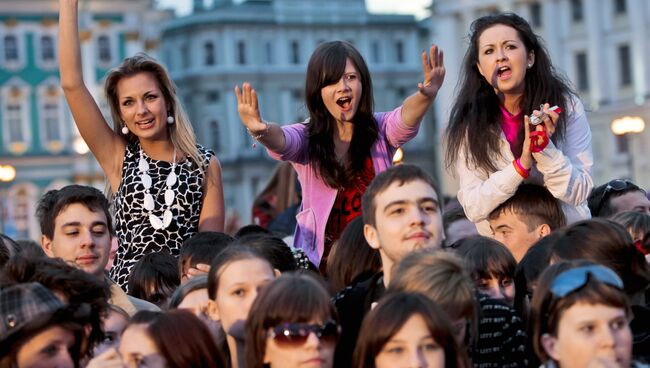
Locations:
{"points": [[326, 67], [154, 278], [475, 118]]}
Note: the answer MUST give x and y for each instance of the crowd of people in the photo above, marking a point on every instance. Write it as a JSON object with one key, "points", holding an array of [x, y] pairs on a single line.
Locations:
{"points": [[530, 265]]}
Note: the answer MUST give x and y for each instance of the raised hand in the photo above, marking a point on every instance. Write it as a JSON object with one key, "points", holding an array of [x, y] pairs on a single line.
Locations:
{"points": [[433, 69], [248, 108]]}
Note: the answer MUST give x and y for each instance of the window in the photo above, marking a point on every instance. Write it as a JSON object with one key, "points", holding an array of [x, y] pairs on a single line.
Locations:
{"points": [[14, 122], [11, 48], [216, 135], [241, 53], [295, 52], [536, 14], [620, 7], [375, 52], [268, 47], [51, 122], [582, 71], [185, 56], [208, 49], [399, 51], [104, 49], [576, 10], [625, 65], [47, 48], [212, 96], [50, 115]]}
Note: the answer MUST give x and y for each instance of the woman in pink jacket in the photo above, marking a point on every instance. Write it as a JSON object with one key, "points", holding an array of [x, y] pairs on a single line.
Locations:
{"points": [[343, 144]]}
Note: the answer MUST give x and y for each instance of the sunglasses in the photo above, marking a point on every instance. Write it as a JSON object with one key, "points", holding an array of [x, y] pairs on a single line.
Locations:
{"points": [[575, 278], [296, 334], [616, 185]]}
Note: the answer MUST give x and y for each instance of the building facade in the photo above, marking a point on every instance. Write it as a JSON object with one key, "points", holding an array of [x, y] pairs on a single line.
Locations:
{"points": [[268, 43], [37, 134], [600, 45]]}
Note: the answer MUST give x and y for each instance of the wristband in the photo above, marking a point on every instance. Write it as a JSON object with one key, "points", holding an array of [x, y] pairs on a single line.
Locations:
{"points": [[261, 135], [523, 172]]}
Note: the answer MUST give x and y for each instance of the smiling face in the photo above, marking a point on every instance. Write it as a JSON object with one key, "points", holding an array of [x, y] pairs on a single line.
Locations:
{"points": [[411, 346], [342, 98], [407, 218], [589, 332], [239, 283], [503, 59], [81, 238], [142, 106]]}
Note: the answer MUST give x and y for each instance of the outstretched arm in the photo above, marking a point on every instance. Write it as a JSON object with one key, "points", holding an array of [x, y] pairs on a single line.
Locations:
{"points": [[416, 105], [106, 146], [270, 135]]}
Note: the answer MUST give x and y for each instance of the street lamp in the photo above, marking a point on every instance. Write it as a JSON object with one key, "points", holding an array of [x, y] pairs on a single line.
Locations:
{"points": [[625, 126], [7, 174]]}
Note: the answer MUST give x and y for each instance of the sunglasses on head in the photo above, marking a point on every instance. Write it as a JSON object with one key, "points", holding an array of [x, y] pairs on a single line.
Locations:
{"points": [[295, 334], [575, 278], [616, 185]]}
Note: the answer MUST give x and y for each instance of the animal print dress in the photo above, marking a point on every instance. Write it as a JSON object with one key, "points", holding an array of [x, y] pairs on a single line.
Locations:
{"points": [[136, 235]]}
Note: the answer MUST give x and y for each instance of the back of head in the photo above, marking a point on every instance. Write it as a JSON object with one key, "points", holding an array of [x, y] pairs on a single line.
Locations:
{"points": [[599, 200], [181, 337], [535, 206], [203, 246], [565, 284], [485, 257], [56, 200], [441, 276], [252, 229], [399, 174], [351, 256], [193, 284], [154, 278], [388, 318], [607, 243], [274, 249], [291, 298]]}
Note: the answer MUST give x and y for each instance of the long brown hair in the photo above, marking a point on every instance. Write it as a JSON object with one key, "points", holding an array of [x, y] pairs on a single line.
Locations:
{"points": [[326, 66], [181, 132], [475, 119]]}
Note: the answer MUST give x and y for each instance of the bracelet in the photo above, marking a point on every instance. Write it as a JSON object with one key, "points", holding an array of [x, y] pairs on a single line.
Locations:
{"points": [[261, 135], [520, 169]]}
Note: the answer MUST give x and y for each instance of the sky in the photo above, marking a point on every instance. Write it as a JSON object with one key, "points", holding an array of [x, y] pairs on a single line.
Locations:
{"points": [[415, 7]]}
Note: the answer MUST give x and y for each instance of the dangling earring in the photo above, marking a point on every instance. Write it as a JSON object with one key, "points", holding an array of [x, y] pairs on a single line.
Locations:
{"points": [[170, 119], [125, 130], [530, 66]]}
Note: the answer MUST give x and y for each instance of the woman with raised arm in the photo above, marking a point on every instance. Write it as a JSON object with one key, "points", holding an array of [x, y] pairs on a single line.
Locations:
{"points": [[166, 187], [494, 145], [343, 144]]}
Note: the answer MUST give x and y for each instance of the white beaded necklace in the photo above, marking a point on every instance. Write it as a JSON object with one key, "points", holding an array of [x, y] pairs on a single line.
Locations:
{"points": [[149, 204]]}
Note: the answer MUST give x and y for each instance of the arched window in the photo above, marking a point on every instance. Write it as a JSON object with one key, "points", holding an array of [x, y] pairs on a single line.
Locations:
{"points": [[47, 48], [104, 49], [11, 49]]}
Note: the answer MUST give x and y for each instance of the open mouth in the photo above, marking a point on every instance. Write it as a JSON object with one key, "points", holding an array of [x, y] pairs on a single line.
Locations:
{"points": [[344, 102], [145, 123], [504, 72]]}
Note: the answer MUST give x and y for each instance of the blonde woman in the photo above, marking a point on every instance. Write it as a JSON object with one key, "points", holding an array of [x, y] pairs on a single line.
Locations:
{"points": [[165, 186]]}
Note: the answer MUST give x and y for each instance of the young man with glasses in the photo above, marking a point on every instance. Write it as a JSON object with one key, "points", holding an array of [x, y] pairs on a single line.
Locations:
{"points": [[616, 196]]}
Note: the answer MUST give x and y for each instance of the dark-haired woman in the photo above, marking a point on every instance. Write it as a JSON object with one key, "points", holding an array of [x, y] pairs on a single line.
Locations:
{"points": [[407, 330], [292, 324], [507, 75], [343, 144]]}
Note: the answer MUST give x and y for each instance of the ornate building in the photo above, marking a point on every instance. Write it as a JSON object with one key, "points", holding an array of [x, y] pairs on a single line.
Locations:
{"points": [[37, 135]]}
